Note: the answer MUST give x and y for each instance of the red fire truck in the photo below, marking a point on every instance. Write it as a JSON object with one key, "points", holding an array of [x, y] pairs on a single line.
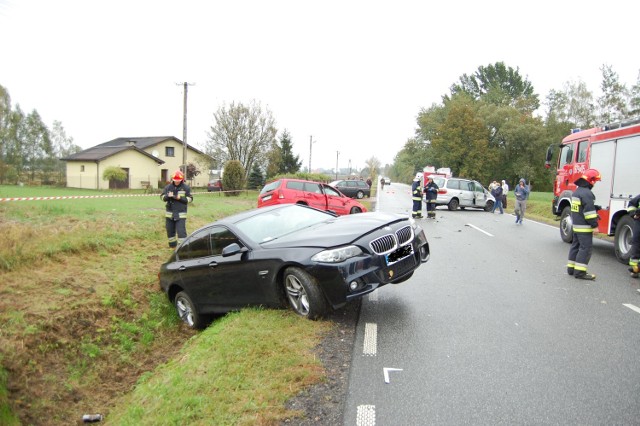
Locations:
{"points": [[613, 150]]}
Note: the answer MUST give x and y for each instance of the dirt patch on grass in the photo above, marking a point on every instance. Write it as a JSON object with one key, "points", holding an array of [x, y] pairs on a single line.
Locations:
{"points": [[71, 342]]}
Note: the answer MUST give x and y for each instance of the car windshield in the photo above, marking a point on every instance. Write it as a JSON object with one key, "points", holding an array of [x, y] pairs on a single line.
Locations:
{"points": [[272, 224], [439, 181]]}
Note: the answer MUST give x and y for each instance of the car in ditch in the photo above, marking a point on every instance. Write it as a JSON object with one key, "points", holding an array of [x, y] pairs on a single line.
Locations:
{"points": [[289, 254], [462, 193]]}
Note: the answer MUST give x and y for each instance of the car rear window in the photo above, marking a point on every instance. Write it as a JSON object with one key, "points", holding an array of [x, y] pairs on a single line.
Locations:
{"points": [[439, 181], [271, 186]]}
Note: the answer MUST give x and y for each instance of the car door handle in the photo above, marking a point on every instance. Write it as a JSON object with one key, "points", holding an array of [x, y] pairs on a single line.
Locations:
{"points": [[213, 264], [182, 268]]}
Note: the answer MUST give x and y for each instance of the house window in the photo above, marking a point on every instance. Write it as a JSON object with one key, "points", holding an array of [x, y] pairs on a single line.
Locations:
{"points": [[168, 151], [82, 168]]}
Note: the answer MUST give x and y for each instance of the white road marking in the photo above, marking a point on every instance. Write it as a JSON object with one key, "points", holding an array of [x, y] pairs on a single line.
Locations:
{"points": [[632, 307], [478, 229], [370, 339], [366, 415], [386, 373]]}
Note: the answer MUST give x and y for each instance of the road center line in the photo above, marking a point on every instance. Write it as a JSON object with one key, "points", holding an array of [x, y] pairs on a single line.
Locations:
{"points": [[478, 229], [632, 307]]}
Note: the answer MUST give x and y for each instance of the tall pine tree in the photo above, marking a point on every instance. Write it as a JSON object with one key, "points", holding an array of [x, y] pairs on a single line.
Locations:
{"points": [[290, 163]]}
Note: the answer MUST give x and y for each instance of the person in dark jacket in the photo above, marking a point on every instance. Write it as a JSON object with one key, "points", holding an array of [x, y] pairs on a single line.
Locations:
{"points": [[177, 196], [634, 257], [585, 220], [497, 194], [416, 197], [430, 195]]}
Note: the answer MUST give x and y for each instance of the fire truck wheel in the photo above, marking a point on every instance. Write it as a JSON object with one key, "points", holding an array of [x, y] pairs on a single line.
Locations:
{"points": [[622, 241], [566, 225]]}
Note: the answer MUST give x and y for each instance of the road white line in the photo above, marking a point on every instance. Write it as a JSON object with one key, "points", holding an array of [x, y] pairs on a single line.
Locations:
{"points": [[370, 346], [478, 229], [366, 415], [386, 373], [632, 307]]}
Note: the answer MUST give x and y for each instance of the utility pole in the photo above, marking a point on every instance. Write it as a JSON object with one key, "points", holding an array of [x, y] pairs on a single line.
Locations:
{"points": [[184, 128], [310, 147], [337, 154]]}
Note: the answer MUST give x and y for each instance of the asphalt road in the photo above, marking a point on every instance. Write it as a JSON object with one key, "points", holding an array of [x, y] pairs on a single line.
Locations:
{"points": [[492, 331]]}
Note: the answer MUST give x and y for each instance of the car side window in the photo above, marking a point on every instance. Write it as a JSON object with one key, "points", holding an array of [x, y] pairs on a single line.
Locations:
{"points": [[298, 186], [220, 238], [197, 246], [351, 184], [362, 184], [453, 184], [330, 191], [312, 187], [478, 187]]}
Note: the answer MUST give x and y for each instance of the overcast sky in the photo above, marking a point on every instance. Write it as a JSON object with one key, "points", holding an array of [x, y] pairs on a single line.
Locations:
{"points": [[352, 74]]}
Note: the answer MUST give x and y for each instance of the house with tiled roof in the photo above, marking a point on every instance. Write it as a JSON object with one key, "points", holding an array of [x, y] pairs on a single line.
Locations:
{"points": [[148, 161]]}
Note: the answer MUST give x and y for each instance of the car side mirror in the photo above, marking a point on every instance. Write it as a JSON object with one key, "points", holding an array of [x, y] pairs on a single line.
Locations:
{"points": [[232, 249]]}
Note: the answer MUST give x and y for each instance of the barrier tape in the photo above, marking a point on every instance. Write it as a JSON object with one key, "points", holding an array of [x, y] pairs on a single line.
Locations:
{"points": [[75, 197]]}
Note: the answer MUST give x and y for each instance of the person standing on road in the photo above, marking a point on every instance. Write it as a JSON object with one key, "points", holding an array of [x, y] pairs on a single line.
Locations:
{"points": [[585, 219], [416, 197], [176, 195], [431, 193], [634, 257], [497, 194], [505, 191], [521, 192]]}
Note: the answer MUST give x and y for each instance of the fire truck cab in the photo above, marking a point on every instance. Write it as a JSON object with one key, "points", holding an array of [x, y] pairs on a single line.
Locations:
{"points": [[613, 150]]}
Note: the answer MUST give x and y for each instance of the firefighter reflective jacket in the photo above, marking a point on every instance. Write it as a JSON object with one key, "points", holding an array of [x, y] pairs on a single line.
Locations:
{"points": [[176, 207], [416, 190], [583, 210]]}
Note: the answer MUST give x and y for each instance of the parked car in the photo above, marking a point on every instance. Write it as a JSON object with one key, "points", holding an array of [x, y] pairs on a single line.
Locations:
{"points": [[352, 188], [214, 185], [458, 192], [318, 195], [292, 255]]}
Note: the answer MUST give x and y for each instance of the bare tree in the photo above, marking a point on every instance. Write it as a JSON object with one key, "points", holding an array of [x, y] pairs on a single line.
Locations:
{"points": [[243, 133]]}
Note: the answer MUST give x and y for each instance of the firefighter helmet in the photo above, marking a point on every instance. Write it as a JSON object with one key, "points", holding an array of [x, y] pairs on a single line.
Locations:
{"points": [[178, 175], [591, 176], [418, 176]]}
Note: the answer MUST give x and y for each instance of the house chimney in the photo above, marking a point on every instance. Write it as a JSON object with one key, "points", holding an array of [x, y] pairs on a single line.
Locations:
{"points": [[131, 142]]}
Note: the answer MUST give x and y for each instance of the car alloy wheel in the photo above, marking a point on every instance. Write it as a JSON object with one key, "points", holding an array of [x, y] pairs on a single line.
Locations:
{"points": [[360, 194], [355, 210], [304, 295], [187, 312]]}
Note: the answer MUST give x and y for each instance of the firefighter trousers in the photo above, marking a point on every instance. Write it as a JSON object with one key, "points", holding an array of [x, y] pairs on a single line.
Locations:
{"points": [[634, 257], [176, 226], [417, 208], [580, 251]]}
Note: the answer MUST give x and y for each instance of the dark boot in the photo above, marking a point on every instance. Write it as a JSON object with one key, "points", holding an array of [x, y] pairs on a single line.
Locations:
{"points": [[582, 275], [569, 270]]}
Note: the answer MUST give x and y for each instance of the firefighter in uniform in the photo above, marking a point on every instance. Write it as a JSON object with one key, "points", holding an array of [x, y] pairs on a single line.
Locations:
{"points": [[176, 195], [585, 219], [634, 257], [416, 196], [431, 193]]}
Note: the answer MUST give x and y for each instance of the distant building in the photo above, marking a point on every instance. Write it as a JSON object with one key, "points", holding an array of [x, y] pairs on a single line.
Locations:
{"points": [[148, 162]]}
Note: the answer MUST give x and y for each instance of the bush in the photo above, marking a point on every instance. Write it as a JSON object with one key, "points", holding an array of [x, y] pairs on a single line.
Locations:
{"points": [[233, 180], [114, 173]]}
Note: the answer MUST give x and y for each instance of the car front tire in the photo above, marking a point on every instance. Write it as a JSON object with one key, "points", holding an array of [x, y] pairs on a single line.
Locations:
{"points": [[360, 195], [355, 210], [489, 206], [187, 311], [304, 295]]}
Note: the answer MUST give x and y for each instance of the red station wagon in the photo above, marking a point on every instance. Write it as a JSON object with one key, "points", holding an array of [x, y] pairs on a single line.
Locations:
{"points": [[314, 194]]}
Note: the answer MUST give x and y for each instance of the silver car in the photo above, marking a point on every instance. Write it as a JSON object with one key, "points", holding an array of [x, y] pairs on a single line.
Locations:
{"points": [[458, 192]]}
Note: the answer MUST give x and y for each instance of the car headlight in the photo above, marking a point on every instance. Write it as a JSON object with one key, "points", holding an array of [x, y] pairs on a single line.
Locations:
{"points": [[413, 223], [337, 255]]}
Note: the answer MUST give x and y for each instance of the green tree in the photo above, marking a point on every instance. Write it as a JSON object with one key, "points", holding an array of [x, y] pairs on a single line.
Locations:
{"points": [[499, 85], [256, 179], [274, 158], [612, 105], [234, 178], [63, 147], [242, 133], [634, 99], [290, 163]]}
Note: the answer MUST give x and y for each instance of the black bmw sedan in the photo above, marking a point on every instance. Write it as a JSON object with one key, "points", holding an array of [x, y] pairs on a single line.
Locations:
{"points": [[290, 254]]}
